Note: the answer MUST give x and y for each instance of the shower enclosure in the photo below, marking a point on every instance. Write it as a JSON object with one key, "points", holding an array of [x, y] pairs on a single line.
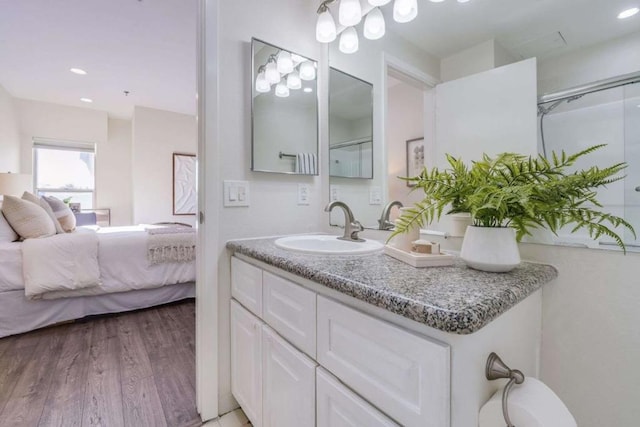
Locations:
{"points": [[604, 112]]}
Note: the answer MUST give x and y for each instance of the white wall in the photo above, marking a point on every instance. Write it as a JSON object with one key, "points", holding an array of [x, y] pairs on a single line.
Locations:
{"points": [[9, 136], [114, 173], [157, 134], [597, 62], [476, 59], [405, 122]]}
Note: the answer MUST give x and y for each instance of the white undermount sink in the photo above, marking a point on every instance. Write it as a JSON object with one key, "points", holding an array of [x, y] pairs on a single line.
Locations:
{"points": [[328, 245]]}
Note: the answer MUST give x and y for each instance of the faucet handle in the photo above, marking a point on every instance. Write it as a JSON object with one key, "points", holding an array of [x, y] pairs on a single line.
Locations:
{"points": [[356, 227]]}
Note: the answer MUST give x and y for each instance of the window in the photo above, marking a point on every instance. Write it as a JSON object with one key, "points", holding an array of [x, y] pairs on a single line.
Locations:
{"points": [[65, 170]]}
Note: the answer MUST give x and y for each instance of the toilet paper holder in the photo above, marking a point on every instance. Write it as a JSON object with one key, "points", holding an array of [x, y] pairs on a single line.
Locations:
{"points": [[497, 369]]}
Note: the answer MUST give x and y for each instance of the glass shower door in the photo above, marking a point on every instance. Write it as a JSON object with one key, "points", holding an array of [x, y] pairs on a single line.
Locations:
{"points": [[632, 157]]}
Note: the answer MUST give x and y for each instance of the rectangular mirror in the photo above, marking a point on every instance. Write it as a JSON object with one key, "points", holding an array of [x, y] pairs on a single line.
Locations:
{"points": [[350, 126], [284, 111]]}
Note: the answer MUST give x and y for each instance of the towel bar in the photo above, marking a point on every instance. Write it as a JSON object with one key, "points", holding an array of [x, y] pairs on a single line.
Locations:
{"points": [[281, 155]]}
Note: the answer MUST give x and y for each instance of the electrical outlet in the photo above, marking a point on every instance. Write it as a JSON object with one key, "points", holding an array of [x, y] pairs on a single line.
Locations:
{"points": [[304, 194], [375, 195], [236, 193], [334, 191]]}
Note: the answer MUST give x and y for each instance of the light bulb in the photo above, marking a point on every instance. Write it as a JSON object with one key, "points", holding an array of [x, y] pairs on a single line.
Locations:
{"points": [[271, 72], [378, 2], [293, 81], [405, 10], [463, 1], [307, 71], [437, 1], [628, 13], [349, 13], [349, 41], [285, 63], [374, 26], [282, 90], [326, 28], [297, 58], [262, 85]]}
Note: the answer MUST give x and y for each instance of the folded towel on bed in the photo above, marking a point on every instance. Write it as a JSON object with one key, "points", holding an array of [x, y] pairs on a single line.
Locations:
{"points": [[171, 246], [62, 262]]}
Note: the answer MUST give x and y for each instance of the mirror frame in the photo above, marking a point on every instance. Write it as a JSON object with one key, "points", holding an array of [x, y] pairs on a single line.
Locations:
{"points": [[329, 125], [317, 97]]}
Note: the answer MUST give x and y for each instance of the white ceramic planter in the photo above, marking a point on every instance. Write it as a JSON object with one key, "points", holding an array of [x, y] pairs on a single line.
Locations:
{"points": [[491, 249]]}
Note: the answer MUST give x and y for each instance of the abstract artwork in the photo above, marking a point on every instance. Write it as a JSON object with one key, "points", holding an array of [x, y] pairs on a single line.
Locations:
{"points": [[415, 158], [184, 184]]}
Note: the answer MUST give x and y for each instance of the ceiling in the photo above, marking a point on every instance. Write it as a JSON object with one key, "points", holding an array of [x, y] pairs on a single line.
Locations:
{"points": [[523, 27], [148, 47]]}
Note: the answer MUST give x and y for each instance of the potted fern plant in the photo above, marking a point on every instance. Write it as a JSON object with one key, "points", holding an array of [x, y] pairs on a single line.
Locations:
{"points": [[509, 195]]}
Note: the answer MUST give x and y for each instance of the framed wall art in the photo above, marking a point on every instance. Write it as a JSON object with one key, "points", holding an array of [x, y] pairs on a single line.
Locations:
{"points": [[415, 158], [184, 184]]}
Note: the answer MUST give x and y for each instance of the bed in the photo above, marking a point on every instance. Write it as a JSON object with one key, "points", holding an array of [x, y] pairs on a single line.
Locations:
{"points": [[128, 281]]}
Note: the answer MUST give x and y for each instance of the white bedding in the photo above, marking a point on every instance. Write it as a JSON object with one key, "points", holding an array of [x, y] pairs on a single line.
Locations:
{"points": [[122, 256]]}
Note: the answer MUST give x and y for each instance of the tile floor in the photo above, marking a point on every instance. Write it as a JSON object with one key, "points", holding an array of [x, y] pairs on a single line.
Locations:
{"points": [[235, 418]]}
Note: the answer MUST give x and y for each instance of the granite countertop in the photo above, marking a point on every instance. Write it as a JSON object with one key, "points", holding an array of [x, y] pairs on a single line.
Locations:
{"points": [[454, 299]]}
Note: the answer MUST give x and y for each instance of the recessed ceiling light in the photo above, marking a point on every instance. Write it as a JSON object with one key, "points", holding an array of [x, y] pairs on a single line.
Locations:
{"points": [[78, 71], [87, 100], [309, 90], [628, 13]]}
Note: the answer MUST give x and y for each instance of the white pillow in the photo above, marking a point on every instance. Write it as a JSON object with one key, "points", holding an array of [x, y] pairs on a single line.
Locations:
{"points": [[6, 232], [62, 213], [28, 219], [44, 205]]}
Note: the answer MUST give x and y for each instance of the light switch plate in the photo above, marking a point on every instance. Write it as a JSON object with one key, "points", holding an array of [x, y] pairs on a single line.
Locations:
{"points": [[304, 194], [236, 193], [375, 195], [334, 193]]}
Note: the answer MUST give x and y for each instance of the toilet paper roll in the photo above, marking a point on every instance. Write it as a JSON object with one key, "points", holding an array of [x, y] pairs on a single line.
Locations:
{"points": [[531, 404]]}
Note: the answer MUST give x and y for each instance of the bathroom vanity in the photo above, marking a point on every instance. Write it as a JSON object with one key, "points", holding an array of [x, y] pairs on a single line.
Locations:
{"points": [[324, 340]]}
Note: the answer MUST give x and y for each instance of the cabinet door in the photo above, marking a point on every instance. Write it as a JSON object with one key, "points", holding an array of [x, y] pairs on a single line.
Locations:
{"points": [[246, 285], [246, 362], [338, 406], [289, 388]]}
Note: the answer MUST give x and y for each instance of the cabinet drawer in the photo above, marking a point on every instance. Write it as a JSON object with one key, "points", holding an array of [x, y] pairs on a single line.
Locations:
{"points": [[290, 309], [339, 406], [405, 375], [289, 389], [246, 285]]}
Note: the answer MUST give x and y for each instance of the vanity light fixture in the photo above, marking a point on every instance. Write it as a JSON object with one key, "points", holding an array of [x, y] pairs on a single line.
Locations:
{"points": [[78, 71], [405, 10], [349, 13], [374, 24], [262, 85], [293, 80], [87, 100], [349, 40], [271, 72], [309, 90], [282, 91], [307, 71], [628, 13], [284, 62]]}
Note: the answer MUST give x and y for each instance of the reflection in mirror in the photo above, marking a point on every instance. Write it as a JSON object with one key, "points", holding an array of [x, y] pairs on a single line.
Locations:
{"points": [[284, 107], [350, 126]]}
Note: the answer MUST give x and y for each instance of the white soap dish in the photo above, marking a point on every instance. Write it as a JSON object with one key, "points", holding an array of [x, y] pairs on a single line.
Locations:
{"points": [[420, 260]]}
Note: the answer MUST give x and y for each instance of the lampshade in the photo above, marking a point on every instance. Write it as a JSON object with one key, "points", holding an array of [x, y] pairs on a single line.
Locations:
{"points": [[307, 71], [293, 80], [378, 2], [405, 10], [285, 63], [271, 72], [14, 184], [349, 41], [349, 13], [374, 26], [282, 90], [326, 28], [262, 85]]}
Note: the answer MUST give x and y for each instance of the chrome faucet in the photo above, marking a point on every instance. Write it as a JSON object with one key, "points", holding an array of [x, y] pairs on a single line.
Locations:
{"points": [[351, 226], [383, 222]]}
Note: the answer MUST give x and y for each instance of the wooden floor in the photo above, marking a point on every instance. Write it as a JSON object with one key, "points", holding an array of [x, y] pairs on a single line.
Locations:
{"points": [[132, 369]]}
